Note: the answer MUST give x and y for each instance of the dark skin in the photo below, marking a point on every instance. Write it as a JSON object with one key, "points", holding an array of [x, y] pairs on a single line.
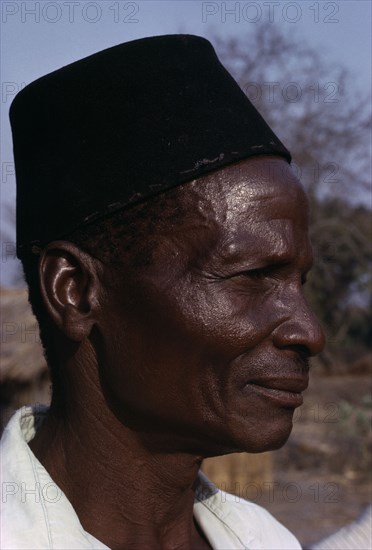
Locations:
{"points": [[203, 352]]}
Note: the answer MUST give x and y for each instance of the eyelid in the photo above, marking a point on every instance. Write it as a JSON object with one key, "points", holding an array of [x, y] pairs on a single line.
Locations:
{"points": [[261, 271], [267, 270]]}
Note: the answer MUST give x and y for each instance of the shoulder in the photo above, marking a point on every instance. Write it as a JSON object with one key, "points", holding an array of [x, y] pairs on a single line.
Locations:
{"points": [[247, 524], [270, 531], [34, 510]]}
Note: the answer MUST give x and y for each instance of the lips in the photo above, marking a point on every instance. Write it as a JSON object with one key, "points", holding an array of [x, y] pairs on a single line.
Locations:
{"points": [[286, 392], [290, 384]]}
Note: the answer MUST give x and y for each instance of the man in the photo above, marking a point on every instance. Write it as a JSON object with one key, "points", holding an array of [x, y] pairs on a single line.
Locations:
{"points": [[164, 240]]}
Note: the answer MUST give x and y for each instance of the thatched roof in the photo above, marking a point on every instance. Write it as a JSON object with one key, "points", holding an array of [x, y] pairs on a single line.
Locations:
{"points": [[22, 357]]}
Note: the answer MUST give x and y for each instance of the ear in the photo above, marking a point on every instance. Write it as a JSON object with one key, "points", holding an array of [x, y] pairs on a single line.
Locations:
{"points": [[70, 288]]}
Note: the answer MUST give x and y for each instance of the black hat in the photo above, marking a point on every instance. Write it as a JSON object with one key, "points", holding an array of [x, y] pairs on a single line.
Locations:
{"points": [[122, 125]]}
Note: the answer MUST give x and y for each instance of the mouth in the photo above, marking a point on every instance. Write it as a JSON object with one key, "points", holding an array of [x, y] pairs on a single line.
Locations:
{"points": [[286, 392]]}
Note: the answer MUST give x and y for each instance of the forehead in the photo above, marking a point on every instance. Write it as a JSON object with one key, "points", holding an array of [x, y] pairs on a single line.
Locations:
{"points": [[260, 184], [256, 205], [257, 189]]}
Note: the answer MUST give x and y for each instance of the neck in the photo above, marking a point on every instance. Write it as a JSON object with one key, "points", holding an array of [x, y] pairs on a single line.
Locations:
{"points": [[127, 490]]}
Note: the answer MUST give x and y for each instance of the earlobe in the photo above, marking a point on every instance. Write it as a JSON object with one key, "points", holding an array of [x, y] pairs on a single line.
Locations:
{"points": [[69, 286]]}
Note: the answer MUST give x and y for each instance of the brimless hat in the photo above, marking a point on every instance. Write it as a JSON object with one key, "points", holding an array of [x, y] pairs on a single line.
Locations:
{"points": [[122, 125]]}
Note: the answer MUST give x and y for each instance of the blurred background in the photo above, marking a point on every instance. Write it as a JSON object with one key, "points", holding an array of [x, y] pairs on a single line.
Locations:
{"points": [[306, 67]]}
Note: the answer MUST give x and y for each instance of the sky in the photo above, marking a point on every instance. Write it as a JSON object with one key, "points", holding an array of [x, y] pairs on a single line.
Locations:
{"points": [[38, 37]]}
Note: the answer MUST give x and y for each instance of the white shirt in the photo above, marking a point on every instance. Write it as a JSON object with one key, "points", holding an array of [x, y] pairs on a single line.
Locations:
{"points": [[36, 514]]}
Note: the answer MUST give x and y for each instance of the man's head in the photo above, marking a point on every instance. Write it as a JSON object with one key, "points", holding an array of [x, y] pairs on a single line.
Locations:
{"points": [[191, 325], [184, 309]]}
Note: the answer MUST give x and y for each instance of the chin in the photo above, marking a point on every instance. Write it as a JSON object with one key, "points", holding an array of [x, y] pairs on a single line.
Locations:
{"points": [[263, 445], [265, 437]]}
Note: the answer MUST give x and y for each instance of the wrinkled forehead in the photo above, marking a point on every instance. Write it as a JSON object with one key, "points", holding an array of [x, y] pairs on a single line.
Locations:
{"points": [[258, 208], [261, 185], [253, 208]]}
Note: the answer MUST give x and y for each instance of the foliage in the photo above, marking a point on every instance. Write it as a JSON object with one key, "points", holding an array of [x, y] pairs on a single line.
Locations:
{"points": [[340, 283], [355, 435]]}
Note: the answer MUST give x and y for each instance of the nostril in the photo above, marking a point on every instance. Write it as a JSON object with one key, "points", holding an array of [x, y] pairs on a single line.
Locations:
{"points": [[300, 354], [303, 351]]}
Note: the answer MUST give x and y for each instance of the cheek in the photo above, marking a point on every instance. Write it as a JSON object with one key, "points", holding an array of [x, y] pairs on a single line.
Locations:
{"points": [[233, 320], [181, 335]]}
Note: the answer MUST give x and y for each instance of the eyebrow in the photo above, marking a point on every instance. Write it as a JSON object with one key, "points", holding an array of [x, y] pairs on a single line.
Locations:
{"points": [[257, 239], [256, 257], [262, 261], [250, 249]]}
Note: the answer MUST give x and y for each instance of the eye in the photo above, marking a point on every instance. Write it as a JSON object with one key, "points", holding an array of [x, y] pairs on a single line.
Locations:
{"points": [[259, 273], [256, 273]]}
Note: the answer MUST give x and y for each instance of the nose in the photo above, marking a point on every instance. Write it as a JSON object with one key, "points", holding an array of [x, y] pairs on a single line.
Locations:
{"points": [[301, 330]]}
